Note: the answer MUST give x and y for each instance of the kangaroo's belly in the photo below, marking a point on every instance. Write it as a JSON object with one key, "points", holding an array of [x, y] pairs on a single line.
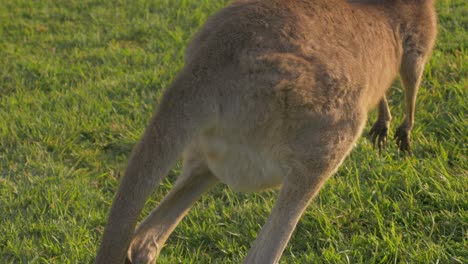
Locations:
{"points": [[242, 166]]}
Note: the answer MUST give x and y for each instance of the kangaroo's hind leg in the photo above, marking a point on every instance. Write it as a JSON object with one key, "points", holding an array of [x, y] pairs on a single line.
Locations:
{"points": [[314, 156], [152, 233]]}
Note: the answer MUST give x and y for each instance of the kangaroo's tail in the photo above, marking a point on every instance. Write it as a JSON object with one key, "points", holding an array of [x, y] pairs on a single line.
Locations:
{"points": [[184, 110]]}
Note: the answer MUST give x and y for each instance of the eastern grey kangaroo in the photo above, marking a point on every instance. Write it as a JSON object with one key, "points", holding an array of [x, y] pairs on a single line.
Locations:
{"points": [[273, 94]]}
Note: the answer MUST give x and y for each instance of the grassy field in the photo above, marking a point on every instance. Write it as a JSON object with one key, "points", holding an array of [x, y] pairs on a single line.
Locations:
{"points": [[79, 80]]}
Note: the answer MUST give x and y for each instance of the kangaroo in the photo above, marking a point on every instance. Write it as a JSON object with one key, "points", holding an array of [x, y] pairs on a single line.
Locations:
{"points": [[273, 94]]}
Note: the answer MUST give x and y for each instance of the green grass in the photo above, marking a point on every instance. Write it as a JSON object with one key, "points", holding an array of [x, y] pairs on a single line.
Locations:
{"points": [[79, 80]]}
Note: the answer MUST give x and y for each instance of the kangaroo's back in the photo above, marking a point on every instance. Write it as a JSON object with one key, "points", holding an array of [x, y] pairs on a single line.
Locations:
{"points": [[355, 43]]}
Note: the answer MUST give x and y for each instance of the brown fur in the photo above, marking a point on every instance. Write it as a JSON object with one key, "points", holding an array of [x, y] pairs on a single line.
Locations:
{"points": [[274, 93]]}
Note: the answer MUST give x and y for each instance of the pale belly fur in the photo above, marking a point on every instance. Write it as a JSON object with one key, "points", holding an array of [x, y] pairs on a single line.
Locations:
{"points": [[241, 166]]}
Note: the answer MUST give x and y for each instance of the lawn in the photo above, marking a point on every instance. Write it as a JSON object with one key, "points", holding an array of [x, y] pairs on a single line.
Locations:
{"points": [[79, 80]]}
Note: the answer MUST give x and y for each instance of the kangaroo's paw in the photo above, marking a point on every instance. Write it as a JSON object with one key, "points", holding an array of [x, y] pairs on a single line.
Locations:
{"points": [[378, 134], [402, 137]]}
